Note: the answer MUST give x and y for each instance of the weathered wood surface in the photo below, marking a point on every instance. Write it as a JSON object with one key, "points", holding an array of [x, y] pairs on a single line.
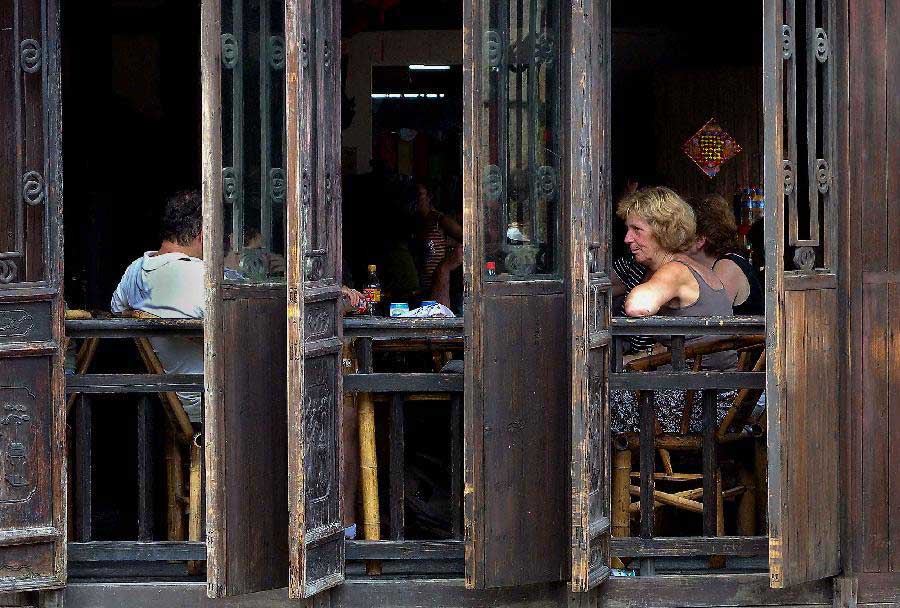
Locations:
{"points": [[587, 146], [873, 260], [749, 591], [689, 546], [245, 372], [213, 320], [686, 326], [131, 328], [33, 493], [314, 328], [403, 383], [803, 324], [525, 440]]}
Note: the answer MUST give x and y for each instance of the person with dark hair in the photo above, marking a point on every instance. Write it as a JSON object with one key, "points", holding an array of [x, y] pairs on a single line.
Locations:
{"points": [[716, 247], [169, 283], [441, 238]]}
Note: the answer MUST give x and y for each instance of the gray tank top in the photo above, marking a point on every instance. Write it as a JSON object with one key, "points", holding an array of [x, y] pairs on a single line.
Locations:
{"points": [[710, 303]]}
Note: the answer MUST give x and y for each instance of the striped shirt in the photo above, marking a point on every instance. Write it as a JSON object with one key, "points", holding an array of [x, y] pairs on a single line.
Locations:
{"points": [[435, 252], [632, 274]]}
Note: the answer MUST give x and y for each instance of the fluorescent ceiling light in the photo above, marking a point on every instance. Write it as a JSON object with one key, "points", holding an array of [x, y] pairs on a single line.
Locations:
{"points": [[408, 95], [429, 68]]}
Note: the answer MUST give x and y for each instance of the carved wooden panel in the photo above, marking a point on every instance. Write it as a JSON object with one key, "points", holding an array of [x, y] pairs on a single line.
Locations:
{"points": [[312, 40], [319, 321], [32, 411], [25, 322]]}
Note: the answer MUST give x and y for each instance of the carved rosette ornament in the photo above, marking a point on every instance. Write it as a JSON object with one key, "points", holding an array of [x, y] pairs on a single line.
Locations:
{"points": [[823, 48], [30, 55], [804, 258], [8, 271], [304, 52], [276, 52], [493, 48], [787, 41], [304, 188], [788, 168], [545, 185], [543, 49], [230, 51], [229, 184], [33, 188], [493, 182], [277, 185], [823, 175]]}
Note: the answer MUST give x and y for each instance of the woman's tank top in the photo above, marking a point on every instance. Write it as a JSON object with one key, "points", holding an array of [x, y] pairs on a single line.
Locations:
{"points": [[710, 303], [755, 304]]}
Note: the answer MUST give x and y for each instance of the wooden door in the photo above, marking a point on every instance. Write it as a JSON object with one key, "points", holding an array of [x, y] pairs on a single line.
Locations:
{"points": [[315, 331], [589, 289], [32, 421], [531, 155], [245, 325], [804, 312]]}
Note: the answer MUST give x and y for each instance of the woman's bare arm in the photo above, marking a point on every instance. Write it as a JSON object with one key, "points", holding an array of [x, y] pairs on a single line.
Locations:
{"points": [[666, 284]]}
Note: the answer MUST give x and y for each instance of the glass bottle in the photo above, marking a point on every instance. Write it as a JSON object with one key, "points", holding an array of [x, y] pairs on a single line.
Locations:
{"points": [[372, 292]]}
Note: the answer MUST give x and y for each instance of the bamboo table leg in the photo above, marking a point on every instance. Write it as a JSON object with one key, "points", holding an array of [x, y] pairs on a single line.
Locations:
{"points": [[195, 499], [621, 480], [174, 488], [368, 471]]}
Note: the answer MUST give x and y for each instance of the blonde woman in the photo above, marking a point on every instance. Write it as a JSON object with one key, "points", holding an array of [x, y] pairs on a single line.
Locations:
{"points": [[660, 228]]}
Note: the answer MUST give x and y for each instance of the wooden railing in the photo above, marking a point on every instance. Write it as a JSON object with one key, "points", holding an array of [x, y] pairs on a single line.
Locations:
{"points": [[644, 377], [368, 335]]}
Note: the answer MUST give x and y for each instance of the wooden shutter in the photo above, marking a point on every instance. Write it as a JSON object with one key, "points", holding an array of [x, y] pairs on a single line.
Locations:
{"points": [[245, 327], [314, 296], [804, 312], [32, 410], [590, 291], [517, 193]]}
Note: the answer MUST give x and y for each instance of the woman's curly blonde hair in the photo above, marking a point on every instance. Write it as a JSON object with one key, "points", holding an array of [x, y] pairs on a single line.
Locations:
{"points": [[670, 217]]}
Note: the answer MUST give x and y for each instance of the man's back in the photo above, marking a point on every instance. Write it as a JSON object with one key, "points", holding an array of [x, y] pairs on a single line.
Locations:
{"points": [[170, 286]]}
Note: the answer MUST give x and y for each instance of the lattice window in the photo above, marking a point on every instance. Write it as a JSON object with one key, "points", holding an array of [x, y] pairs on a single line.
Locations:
{"points": [[808, 135]]}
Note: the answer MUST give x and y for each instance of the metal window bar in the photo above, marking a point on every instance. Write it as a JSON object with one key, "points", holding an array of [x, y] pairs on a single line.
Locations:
{"points": [[266, 99], [233, 117], [810, 51]]}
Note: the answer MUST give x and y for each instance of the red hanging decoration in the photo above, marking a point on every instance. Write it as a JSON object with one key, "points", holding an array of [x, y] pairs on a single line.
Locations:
{"points": [[710, 147]]}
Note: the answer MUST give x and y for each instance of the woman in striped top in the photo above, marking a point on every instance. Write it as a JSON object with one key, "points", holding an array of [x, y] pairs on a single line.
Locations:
{"points": [[440, 236]]}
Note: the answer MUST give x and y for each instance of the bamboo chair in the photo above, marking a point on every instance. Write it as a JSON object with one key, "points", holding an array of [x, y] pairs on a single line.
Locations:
{"points": [[751, 351], [180, 438]]}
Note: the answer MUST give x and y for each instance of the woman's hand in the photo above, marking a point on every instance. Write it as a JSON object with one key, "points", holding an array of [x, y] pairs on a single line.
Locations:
{"points": [[351, 299]]}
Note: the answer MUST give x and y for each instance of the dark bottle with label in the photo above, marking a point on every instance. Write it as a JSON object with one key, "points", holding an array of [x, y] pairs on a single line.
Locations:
{"points": [[373, 292]]}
